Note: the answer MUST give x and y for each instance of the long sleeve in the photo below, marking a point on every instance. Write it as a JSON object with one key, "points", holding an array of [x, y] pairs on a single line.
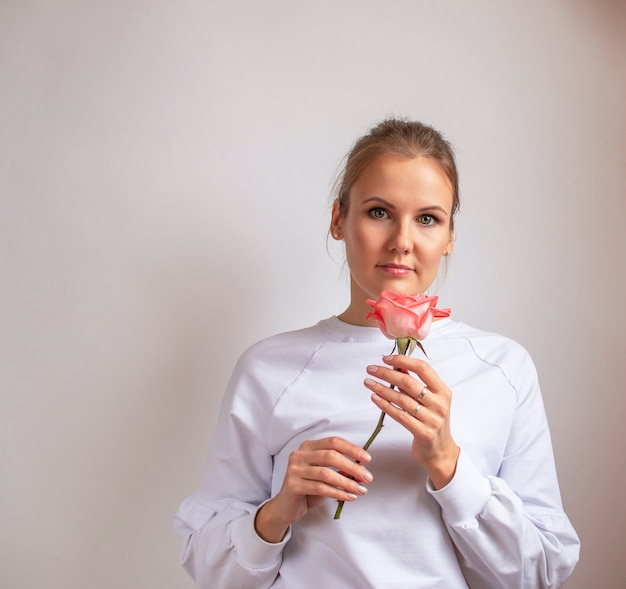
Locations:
{"points": [[219, 544], [498, 523], [510, 530], [220, 547]]}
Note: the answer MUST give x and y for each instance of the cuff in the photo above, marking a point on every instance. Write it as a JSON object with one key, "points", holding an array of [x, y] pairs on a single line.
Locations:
{"points": [[252, 551], [465, 496]]}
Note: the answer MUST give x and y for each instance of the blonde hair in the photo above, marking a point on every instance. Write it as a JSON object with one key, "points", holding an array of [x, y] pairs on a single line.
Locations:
{"points": [[404, 139]]}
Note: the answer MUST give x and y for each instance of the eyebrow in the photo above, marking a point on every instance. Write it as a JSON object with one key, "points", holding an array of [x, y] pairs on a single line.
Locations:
{"points": [[390, 205]]}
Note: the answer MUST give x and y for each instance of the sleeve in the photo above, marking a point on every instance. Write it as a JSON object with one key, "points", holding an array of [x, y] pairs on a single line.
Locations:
{"points": [[510, 530], [219, 544]]}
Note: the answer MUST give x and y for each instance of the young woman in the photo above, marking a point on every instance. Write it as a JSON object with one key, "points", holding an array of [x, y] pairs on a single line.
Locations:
{"points": [[460, 488]]}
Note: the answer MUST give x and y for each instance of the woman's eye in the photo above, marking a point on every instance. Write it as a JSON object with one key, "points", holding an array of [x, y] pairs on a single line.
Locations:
{"points": [[378, 213], [427, 220]]}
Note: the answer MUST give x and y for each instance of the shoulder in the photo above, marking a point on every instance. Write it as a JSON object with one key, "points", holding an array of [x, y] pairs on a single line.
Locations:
{"points": [[272, 363], [490, 348], [288, 345], [488, 344]]}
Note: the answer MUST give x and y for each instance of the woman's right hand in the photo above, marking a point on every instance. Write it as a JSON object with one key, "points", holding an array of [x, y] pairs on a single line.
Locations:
{"points": [[320, 469]]}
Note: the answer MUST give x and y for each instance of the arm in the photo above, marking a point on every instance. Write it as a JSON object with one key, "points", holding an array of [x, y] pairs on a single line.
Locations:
{"points": [[219, 545], [320, 469], [232, 533], [502, 540], [237, 545], [509, 529], [518, 535]]}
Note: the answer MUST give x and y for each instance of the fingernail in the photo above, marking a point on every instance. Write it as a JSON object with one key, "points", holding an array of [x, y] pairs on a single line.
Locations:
{"points": [[372, 369], [362, 489], [369, 382], [364, 456], [351, 497], [367, 476], [387, 358]]}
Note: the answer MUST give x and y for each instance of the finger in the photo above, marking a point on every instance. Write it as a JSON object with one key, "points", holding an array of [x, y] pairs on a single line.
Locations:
{"points": [[339, 445], [421, 368], [404, 382], [397, 399], [411, 422], [318, 473], [326, 477], [344, 466], [305, 459], [432, 404], [322, 482]]}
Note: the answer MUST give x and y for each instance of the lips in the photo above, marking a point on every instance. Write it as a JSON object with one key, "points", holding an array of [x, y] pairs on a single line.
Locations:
{"points": [[396, 269]]}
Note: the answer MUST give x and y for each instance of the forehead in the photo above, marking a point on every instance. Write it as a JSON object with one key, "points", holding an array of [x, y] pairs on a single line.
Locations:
{"points": [[390, 175]]}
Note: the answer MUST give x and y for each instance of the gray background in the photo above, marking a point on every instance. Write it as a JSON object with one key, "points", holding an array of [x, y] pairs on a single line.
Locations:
{"points": [[165, 170]]}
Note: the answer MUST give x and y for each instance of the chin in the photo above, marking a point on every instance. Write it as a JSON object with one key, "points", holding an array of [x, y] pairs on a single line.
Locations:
{"points": [[404, 288]]}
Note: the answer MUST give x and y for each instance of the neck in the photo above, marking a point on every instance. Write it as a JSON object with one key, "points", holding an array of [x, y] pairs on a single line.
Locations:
{"points": [[356, 318]]}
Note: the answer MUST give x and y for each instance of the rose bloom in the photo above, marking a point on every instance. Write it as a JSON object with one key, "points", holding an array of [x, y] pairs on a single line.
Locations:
{"points": [[399, 315]]}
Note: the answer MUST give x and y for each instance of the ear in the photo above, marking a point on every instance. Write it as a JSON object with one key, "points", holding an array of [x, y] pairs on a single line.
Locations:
{"points": [[449, 246], [335, 221]]}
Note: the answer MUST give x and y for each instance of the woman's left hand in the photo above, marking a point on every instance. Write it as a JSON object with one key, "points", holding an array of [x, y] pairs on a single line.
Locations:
{"points": [[422, 406]]}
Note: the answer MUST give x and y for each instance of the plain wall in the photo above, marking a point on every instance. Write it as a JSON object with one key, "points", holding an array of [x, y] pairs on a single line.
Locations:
{"points": [[165, 171]]}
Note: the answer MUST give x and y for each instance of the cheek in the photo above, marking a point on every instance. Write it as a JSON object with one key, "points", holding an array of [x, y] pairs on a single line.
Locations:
{"points": [[440, 242], [433, 252], [356, 252], [360, 239], [361, 251]]}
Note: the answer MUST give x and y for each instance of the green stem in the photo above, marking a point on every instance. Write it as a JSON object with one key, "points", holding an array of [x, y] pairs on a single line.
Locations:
{"points": [[376, 431], [405, 346]]}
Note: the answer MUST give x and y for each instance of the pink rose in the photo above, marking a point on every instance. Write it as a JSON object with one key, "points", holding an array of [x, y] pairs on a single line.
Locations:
{"points": [[400, 316], [407, 319]]}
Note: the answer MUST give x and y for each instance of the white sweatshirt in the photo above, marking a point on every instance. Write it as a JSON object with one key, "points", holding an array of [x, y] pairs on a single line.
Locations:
{"points": [[498, 524]]}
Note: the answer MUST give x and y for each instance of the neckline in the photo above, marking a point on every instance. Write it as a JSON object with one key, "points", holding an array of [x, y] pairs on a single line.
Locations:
{"points": [[347, 332]]}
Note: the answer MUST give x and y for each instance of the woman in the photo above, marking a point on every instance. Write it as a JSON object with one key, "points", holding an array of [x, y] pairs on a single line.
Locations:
{"points": [[460, 488]]}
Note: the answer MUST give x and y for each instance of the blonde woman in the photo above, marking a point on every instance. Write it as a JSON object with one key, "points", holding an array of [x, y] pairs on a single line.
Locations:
{"points": [[459, 491]]}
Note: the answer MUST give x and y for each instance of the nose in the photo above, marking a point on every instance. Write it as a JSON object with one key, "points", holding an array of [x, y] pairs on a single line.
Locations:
{"points": [[400, 240]]}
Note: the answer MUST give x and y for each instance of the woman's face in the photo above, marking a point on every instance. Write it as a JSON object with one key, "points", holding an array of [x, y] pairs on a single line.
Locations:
{"points": [[396, 229]]}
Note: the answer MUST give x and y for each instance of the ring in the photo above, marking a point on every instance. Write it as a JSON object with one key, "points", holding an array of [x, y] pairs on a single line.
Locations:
{"points": [[417, 408], [424, 391]]}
